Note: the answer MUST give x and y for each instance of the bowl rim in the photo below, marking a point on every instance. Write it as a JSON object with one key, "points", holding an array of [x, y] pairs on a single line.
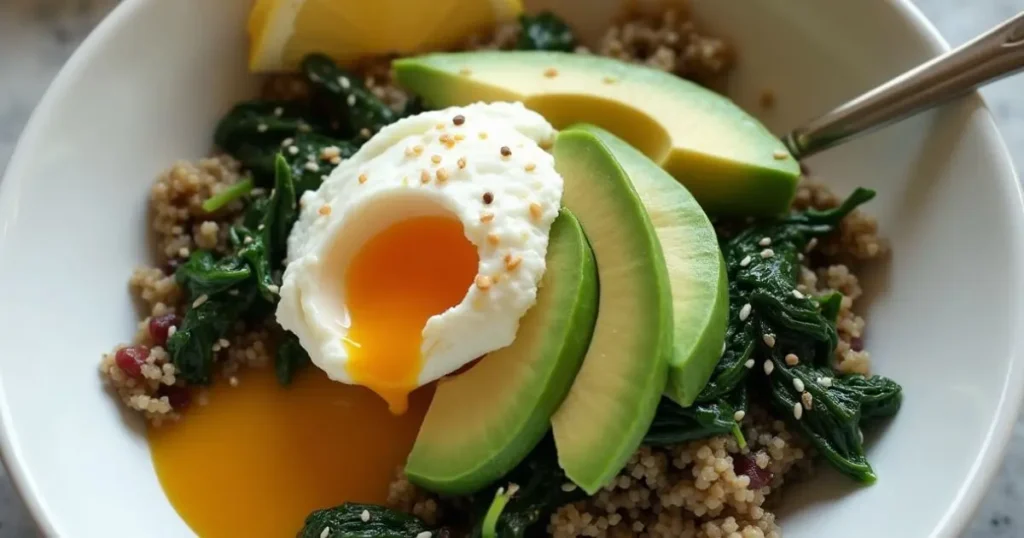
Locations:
{"points": [[953, 522]]}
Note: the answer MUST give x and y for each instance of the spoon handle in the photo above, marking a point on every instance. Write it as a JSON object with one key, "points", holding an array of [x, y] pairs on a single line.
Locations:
{"points": [[991, 56]]}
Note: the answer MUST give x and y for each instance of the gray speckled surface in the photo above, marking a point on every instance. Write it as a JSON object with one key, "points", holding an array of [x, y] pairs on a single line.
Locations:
{"points": [[37, 36]]}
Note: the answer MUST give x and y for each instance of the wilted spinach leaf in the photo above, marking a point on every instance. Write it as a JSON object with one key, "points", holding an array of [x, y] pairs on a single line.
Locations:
{"points": [[289, 359], [352, 109], [545, 31], [346, 521]]}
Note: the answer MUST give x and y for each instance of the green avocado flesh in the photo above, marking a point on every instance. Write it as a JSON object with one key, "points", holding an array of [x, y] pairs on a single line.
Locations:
{"points": [[729, 161], [612, 401], [696, 270], [483, 422]]}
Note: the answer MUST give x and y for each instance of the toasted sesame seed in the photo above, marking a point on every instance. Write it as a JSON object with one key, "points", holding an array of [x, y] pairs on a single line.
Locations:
{"points": [[335, 160], [363, 178], [233, 381], [798, 384], [344, 83], [792, 359], [215, 347], [745, 312], [262, 127], [172, 329], [459, 119], [261, 227], [436, 159], [746, 261], [199, 301], [312, 167], [769, 340], [445, 138], [183, 252], [609, 80], [459, 137], [440, 126], [325, 533], [551, 72], [530, 167], [798, 410], [738, 415], [765, 241], [488, 198], [505, 151], [493, 239], [364, 132], [287, 142], [324, 210], [365, 516], [486, 216], [797, 294], [442, 174], [247, 240], [512, 262], [424, 177], [351, 100], [825, 382], [278, 111], [749, 363], [769, 367], [767, 253], [417, 149], [294, 150], [465, 71], [330, 152], [483, 135], [424, 534], [569, 487], [536, 211], [461, 162], [811, 244], [808, 400], [800, 256], [484, 282], [780, 154]]}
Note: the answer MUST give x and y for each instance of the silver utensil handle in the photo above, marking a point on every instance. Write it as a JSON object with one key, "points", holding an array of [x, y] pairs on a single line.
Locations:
{"points": [[995, 54]]}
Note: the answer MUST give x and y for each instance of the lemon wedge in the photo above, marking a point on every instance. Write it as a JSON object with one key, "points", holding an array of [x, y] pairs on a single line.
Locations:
{"points": [[282, 32]]}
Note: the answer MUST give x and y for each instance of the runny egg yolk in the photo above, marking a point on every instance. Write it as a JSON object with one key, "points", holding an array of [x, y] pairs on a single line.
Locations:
{"points": [[410, 271]]}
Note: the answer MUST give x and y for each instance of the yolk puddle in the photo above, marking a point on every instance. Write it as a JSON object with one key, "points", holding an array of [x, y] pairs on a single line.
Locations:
{"points": [[401, 277], [258, 458]]}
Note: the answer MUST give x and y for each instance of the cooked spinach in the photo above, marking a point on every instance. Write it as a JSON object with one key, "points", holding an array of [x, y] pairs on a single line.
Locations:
{"points": [[289, 359], [350, 107], [351, 520], [674, 424], [191, 346], [545, 31], [203, 274]]}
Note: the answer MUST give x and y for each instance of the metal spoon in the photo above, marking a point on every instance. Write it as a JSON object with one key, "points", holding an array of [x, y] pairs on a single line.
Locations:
{"points": [[989, 57]]}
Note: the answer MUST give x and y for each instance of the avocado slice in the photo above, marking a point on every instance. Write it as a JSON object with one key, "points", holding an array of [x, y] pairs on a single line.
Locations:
{"points": [[483, 422], [612, 401], [696, 269], [729, 161]]}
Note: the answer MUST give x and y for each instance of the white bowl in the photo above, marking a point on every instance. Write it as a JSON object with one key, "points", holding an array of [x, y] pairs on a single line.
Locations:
{"points": [[147, 87]]}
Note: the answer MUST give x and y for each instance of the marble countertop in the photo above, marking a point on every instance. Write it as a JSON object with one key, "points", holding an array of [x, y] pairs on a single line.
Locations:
{"points": [[37, 36]]}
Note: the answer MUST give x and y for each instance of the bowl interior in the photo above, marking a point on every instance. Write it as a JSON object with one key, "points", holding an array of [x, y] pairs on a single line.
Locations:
{"points": [[148, 86]]}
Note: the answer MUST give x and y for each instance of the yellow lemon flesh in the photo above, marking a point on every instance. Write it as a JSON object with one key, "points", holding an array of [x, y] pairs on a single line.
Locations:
{"points": [[282, 32]]}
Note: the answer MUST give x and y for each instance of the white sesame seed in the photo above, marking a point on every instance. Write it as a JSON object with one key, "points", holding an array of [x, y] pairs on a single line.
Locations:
{"points": [[746, 261], [749, 363], [769, 340], [767, 253], [798, 410], [811, 244], [825, 382], [278, 111], [798, 384], [325, 533], [312, 167], [215, 347], [233, 381], [294, 150], [800, 256], [765, 241], [745, 312], [365, 516], [780, 154], [262, 127], [199, 301], [797, 294], [351, 100], [568, 487], [273, 288], [287, 142], [247, 240], [808, 400], [344, 82], [171, 330], [424, 534], [224, 343], [738, 415], [769, 367], [183, 252], [792, 359]]}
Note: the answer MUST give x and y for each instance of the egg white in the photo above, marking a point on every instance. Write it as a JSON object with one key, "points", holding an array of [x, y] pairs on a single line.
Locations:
{"points": [[381, 185]]}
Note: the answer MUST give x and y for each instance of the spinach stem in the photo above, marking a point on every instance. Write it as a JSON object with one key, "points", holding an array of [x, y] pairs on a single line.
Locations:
{"points": [[489, 529], [228, 195], [738, 434]]}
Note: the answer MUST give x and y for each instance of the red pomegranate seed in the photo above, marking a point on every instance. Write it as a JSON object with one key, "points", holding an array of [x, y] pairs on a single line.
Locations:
{"points": [[130, 360], [857, 344], [759, 477], [179, 397], [160, 326]]}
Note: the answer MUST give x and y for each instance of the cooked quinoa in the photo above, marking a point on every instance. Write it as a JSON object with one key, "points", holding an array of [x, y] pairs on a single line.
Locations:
{"points": [[702, 489]]}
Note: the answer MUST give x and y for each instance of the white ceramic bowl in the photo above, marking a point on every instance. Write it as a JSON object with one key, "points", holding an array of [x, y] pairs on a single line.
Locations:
{"points": [[147, 87]]}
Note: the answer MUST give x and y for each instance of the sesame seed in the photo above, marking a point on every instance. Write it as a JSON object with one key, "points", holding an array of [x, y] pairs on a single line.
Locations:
{"points": [[483, 135], [488, 198], [461, 162], [797, 294], [363, 178], [364, 132], [792, 359], [512, 262], [808, 400], [344, 83], [551, 72], [825, 382], [530, 167], [746, 261], [505, 151], [769, 367], [780, 154], [325, 533], [440, 126], [459, 120], [324, 210], [811, 244], [493, 239], [287, 142], [536, 211], [798, 410], [247, 240], [459, 137], [273, 288], [738, 415], [483, 282], [769, 340], [278, 111], [765, 241], [569, 487], [436, 159], [261, 227], [262, 127], [233, 381], [442, 174], [767, 253], [609, 80], [351, 100], [335, 160], [424, 534], [330, 152], [312, 167], [486, 216], [798, 384], [749, 363], [745, 312], [172, 329], [199, 301], [365, 516], [408, 152], [446, 138], [183, 252], [424, 177], [465, 71], [800, 256], [417, 149], [294, 150], [224, 343]]}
